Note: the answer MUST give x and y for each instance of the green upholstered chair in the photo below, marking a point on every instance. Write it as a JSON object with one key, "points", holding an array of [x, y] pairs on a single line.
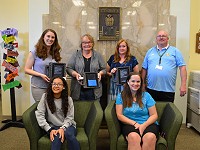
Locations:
{"points": [[169, 118], [88, 116]]}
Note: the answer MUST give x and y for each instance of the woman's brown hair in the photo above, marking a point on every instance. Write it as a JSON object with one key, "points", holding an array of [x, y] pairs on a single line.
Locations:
{"points": [[128, 53], [127, 95], [41, 47]]}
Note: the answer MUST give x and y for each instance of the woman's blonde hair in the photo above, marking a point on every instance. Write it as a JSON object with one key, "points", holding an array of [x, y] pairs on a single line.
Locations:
{"points": [[89, 37]]}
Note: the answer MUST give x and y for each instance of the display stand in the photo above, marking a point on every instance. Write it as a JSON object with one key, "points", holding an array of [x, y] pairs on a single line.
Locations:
{"points": [[13, 122], [10, 63]]}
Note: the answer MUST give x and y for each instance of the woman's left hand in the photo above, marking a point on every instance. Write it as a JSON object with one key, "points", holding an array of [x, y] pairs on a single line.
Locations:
{"points": [[141, 127], [44, 77], [62, 135], [113, 71], [99, 76]]}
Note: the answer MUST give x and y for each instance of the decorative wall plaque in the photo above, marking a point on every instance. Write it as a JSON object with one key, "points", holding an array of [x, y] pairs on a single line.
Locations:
{"points": [[198, 42], [109, 23]]}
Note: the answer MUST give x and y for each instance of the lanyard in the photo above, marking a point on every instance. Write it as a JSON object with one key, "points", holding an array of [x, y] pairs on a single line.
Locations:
{"points": [[161, 55]]}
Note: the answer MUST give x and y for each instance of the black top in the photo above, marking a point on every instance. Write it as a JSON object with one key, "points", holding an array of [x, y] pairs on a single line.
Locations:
{"points": [[87, 64]]}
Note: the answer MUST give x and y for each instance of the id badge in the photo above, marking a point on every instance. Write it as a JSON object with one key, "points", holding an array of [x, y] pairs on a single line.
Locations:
{"points": [[159, 67]]}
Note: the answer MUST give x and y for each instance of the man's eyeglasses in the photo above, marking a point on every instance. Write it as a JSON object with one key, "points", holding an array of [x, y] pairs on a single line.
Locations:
{"points": [[161, 36], [58, 85]]}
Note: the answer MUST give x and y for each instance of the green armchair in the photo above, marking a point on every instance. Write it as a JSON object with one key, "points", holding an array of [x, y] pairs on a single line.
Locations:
{"points": [[88, 116], [169, 118]]}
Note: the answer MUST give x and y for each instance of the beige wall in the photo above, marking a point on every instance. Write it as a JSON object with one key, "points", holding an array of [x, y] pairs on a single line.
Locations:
{"points": [[181, 9], [194, 63], [14, 14], [23, 16], [35, 26]]}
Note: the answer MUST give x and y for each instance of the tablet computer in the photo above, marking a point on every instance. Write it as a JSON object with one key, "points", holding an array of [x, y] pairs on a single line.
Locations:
{"points": [[91, 80]]}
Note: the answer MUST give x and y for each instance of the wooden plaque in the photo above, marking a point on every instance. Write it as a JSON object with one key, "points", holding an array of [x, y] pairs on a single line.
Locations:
{"points": [[109, 23], [198, 43]]}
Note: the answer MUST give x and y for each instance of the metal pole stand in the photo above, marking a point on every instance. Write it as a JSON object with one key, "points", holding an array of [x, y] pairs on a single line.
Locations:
{"points": [[13, 122]]}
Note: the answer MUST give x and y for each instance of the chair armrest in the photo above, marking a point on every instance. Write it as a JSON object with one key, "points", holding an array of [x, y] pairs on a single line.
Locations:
{"points": [[31, 125], [93, 123], [113, 124], [170, 124]]}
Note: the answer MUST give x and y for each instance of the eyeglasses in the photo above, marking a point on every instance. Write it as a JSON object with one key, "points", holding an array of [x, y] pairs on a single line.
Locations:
{"points": [[57, 84], [161, 36], [86, 43]]}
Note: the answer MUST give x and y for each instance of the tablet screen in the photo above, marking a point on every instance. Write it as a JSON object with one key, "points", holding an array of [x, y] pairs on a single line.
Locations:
{"points": [[92, 83]]}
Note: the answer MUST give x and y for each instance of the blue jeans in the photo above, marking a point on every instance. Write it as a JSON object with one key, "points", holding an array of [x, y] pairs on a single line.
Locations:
{"points": [[72, 142]]}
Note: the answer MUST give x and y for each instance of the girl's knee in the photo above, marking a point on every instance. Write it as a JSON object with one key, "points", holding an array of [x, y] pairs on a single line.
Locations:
{"points": [[70, 132], [69, 136], [149, 137], [133, 137]]}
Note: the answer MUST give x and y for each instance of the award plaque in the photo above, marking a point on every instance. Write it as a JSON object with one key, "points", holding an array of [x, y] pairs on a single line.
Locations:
{"points": [[122, 74], [109, 23], [56, 69], [90, 80], [198, 42]]}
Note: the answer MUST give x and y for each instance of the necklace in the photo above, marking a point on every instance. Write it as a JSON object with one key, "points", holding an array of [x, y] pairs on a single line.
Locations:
{"points": [[87, 59]]}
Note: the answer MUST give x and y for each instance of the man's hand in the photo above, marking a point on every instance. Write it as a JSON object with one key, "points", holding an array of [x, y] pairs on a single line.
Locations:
{"points": [[182, 91]]}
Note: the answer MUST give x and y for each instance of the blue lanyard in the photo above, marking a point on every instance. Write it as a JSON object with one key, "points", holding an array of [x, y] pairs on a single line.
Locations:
{"points": [[161, 55]]}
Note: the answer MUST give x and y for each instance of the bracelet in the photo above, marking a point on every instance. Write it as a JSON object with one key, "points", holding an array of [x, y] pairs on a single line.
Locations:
{"points": [[135, 123], [63, 127]]}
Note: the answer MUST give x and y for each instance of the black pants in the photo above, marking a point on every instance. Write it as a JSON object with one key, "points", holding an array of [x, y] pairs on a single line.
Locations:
{"points": [[161, 96]]}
